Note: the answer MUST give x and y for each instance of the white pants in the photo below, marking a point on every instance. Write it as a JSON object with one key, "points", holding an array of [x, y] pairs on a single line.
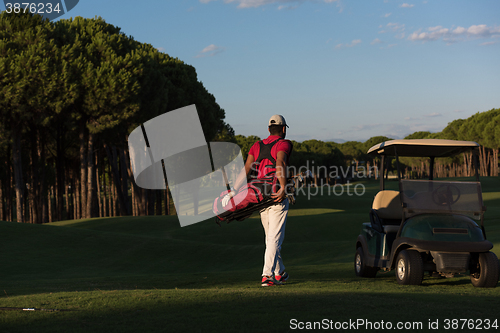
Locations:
{"points": [[274, 222]]}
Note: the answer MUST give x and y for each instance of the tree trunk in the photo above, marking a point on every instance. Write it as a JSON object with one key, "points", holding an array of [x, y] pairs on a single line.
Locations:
{"points": [[9, 196], [495, 162], [34, 194], [42, 188], [31, 195], [167, 201], [73, 195], [77, 193], [111, 194], [51, 192], [2, 213], [18, 173], [124, 171], [158, 203], [59, 172], [464, 165], [151, 203], [144, 202], [116, 178], [90, 176], [481, 161], [83, 173], [490, 162], [56, 201], [115, 201], [98, 182], [485, 159], [29, 211], [66, 195], [470, 170], [137, 193], [133, 200], [105, 196]]}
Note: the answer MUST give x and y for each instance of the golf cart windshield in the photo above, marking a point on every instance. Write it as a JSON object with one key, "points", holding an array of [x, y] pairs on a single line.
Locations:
{"points": [[427, 196]]}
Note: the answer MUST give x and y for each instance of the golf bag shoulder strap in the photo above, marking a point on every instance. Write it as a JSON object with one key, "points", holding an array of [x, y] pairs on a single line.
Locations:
{"points": [[265, 152]]}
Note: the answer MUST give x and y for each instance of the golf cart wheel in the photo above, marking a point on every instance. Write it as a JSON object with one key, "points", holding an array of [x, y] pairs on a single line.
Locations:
{"points": [[409, 267], [360, 267], [484, 274]]}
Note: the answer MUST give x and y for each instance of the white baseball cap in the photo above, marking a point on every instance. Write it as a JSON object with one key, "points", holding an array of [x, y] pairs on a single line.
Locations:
{"points": [[277, 119]]}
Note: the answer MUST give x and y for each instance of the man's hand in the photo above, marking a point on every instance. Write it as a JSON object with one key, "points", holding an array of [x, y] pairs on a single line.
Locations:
{"points": [[227, 197], [279, 196]]}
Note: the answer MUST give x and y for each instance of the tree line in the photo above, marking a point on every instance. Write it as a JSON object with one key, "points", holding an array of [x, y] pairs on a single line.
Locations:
{"points": [[70, 92], [482, 127]]}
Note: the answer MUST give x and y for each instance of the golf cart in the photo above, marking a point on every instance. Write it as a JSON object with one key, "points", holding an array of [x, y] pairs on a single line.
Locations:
{"points": [[427, 225]]}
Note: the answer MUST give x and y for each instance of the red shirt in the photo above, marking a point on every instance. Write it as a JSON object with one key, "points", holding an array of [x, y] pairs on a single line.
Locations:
{"points": [[283, 145]]}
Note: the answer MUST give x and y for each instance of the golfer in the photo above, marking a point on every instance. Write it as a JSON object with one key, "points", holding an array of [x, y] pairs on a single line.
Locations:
{"points": [[269, 159]]}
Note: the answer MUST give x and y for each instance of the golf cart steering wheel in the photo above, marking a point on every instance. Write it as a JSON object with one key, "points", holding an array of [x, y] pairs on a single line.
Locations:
{"points": [[446, 195]]}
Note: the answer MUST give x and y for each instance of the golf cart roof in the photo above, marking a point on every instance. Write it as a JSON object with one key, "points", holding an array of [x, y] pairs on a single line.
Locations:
{"points": [[422, 147]]}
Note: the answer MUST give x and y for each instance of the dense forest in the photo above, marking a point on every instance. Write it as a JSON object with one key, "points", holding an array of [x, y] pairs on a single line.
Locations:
{"points": [[72, 91]]}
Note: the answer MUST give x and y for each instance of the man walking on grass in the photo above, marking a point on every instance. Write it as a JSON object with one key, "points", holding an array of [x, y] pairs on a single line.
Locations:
{"points": [[269, 158]]}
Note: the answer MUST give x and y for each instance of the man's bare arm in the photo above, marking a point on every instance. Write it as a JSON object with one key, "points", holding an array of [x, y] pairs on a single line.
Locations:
{"points": [[281, 175]]}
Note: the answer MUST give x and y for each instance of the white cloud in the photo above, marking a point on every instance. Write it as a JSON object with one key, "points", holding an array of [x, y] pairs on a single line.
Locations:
{"points": [[437, 28], [210, 51], [402, 130], [459, 30], [432, 115], [479, 30], [287, 7], [488, 43], [161, 49], [353, 43], [284, 4], [376, 41], [395, 26], [457, 34], [366, 127], [406, 5], [387, 15]]}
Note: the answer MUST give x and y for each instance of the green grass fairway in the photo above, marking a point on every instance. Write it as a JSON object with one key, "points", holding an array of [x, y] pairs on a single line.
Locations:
{"points": [[147, 274]]}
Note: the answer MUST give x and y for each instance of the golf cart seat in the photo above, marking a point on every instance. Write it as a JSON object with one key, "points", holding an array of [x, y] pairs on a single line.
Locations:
{"points": [[387, 210]]}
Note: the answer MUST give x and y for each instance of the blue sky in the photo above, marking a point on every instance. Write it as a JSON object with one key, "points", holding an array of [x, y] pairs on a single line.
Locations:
{"points": [[335, 69]]}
